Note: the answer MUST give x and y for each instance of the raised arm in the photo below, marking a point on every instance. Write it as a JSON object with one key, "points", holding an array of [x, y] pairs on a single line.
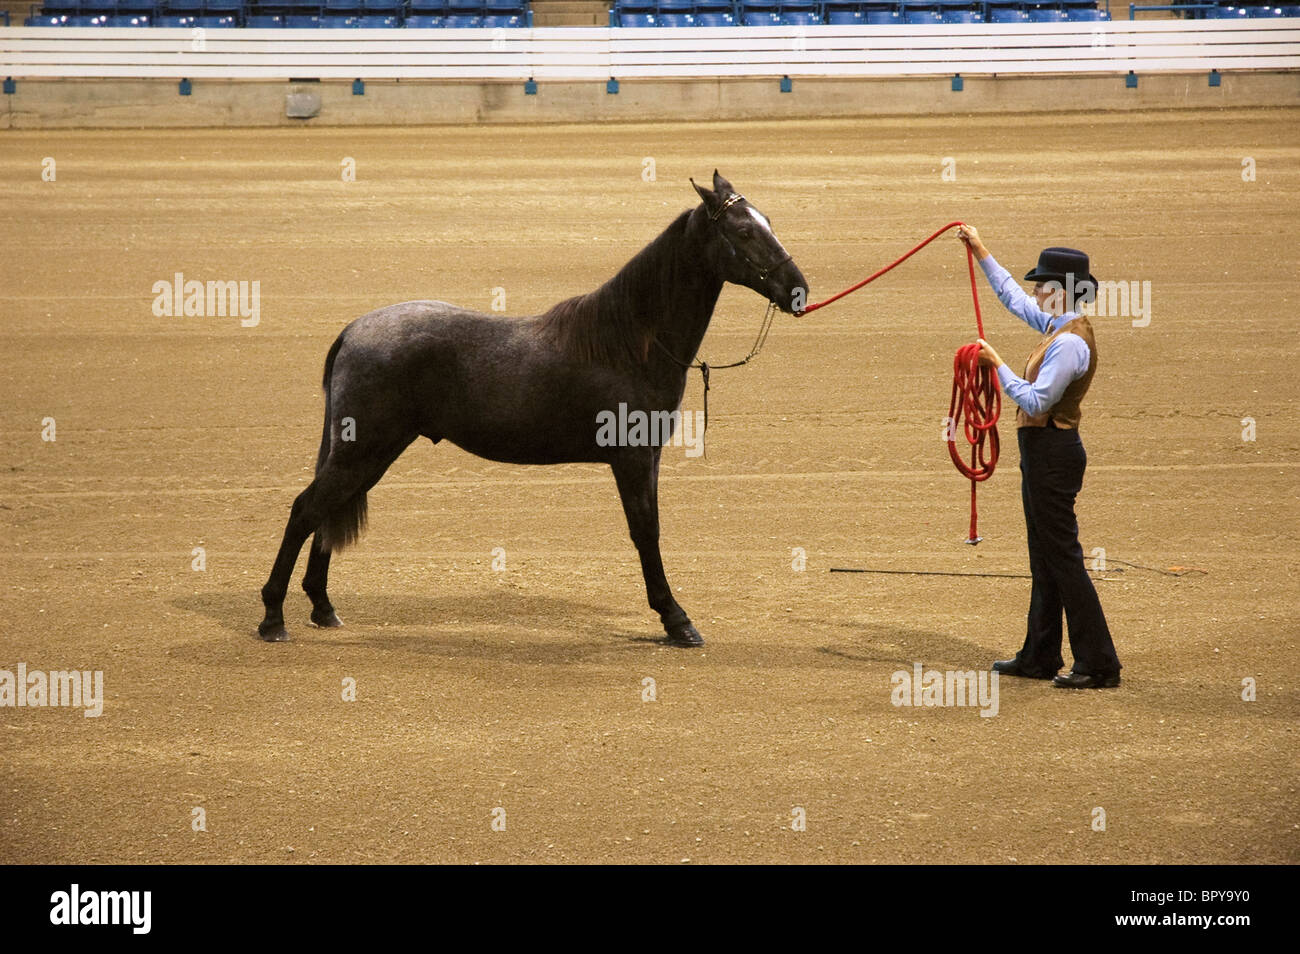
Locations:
{"points": [[1007, 289]]}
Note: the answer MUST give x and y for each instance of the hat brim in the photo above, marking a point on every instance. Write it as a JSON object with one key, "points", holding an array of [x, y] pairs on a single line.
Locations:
{"points": [[1036, 276]]}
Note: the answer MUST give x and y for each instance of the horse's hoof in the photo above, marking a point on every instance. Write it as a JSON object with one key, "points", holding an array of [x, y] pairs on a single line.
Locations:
{"points": [[274, 633], [326, 620], [684, 635]]}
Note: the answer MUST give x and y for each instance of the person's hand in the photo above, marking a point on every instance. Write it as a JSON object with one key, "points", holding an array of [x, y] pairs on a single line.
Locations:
{"points": [[988, 355], [971, 237]]}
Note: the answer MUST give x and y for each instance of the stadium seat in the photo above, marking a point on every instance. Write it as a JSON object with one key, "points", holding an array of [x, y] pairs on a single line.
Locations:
{"points": [[1084, 15], [465, 8], [46, 20], [1264, 11], [637, 20], [333, 9], [128, 20], [435, 8], [382, 8], [422, 21], [676, 20], [715, 20], [172, 21], [216, 23], [81, 20], [186, 8], [961, 16], [499, 22], [883, 17], [263, 21], [1046, 15], [922, 17], [97, 7], [144, 7], [459, 22], [301, 21]]}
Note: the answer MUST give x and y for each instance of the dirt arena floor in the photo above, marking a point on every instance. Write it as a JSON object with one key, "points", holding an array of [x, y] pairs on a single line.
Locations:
{"points": [[479, 689]]}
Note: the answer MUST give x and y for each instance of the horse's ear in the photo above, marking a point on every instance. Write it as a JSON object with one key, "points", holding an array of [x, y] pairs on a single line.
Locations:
{"points": [[711, 200], [721, 186]]}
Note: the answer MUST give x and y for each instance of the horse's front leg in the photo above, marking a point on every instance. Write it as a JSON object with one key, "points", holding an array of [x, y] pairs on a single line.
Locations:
{"points": [[637, 472]]}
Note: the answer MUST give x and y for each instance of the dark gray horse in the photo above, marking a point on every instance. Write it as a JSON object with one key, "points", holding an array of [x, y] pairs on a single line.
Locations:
{"points": [[530, 390]]}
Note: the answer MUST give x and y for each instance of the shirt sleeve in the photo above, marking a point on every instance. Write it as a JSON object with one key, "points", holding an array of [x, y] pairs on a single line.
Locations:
{"points": [[1066, 361], [1013, 296]]}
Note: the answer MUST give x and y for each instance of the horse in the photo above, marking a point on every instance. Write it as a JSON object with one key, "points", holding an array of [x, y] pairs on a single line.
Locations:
{"points": [[531, 390]]}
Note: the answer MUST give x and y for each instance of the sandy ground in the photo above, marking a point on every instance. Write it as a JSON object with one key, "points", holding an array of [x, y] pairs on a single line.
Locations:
{"points": [[484, 694]]}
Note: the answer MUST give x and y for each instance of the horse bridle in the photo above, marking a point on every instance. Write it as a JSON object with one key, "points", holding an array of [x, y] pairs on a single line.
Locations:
{"points": [[762, 272]]}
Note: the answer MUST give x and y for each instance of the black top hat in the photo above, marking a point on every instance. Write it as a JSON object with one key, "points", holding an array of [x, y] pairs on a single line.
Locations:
{"points": [[1056, 263]]}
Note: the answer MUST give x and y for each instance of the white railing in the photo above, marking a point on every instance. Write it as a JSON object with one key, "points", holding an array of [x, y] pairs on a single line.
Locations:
{"points": [[603, 52]]}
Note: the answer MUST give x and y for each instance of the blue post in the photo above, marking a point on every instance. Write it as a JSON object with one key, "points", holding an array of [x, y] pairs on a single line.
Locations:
{"points": [[1131, 81], [786, 85], [958, 84], [611, 86], [358, 88], [10, 89], [530, 87], [184, 88], [1215, 78]]}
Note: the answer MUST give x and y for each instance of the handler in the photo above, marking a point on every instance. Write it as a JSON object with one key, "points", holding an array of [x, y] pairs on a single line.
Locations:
{"points": [[1052, 462]]}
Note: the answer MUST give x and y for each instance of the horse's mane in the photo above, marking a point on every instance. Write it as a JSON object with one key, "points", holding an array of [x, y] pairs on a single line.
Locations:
{"points": [[612, 325]]}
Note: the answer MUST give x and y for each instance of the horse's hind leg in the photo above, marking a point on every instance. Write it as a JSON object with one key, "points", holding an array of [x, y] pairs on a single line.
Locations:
{"points": [[332, 487], [314, 583], [316, 578], [637, 474]]}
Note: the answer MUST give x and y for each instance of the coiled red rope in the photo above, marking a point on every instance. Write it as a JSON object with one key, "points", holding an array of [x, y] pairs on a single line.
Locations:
{"points": [[976, 402]]}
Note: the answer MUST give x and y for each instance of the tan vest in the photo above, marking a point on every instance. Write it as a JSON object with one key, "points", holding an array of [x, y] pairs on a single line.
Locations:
{"points": [[1066, 412]]}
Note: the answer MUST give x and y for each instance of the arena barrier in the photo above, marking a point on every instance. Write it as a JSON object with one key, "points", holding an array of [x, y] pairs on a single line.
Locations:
{"points": [[602, 53]]}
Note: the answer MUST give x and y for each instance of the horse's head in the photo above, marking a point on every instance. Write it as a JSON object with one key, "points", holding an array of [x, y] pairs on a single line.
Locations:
{"points": [[746, 250]]}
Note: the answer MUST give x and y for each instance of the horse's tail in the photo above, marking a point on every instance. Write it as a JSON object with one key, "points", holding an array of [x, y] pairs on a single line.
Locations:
{"points": [[342, 526]]}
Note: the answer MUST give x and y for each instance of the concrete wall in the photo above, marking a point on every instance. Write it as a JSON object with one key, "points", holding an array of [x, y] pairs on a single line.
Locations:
{"points": [[68, 103]]}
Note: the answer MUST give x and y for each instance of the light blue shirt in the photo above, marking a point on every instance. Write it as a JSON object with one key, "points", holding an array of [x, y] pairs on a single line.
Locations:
{"points": [[1067, 357]]}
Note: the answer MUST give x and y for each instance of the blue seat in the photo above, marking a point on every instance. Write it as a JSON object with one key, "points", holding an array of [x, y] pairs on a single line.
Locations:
{"points": [[133, 6], [457, 22], [338, 22], [883, 17], [82, 20], [640, 20], [46, 20], [60, 6], [961, 16], [465, 8], [172, 21], [1084, 15], [216, 23], [382, 8], [1007, 15], [498, 22], [1265, 11], [128, 20], [263, 21], [92, 7], [216, 8], [800, 18], [183, 7], [340, 8], [715, 19], [422, 21], [676, 20], [1046, 15], [301, 21], [761, 19], [428, 8]]}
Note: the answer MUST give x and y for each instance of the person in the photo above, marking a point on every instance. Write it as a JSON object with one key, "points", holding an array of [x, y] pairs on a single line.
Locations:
{"points": [[1052, 461]]}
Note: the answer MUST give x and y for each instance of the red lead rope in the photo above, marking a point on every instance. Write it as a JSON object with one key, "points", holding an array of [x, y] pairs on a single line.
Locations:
{"points": [[976, 402]]}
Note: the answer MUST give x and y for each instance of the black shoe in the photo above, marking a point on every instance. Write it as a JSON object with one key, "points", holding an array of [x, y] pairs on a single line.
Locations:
{"points": [[1012, 667], [1081, 680]]}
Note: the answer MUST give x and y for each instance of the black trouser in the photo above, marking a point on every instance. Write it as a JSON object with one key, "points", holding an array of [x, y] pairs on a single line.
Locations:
{"points": [[1052, 462]]}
